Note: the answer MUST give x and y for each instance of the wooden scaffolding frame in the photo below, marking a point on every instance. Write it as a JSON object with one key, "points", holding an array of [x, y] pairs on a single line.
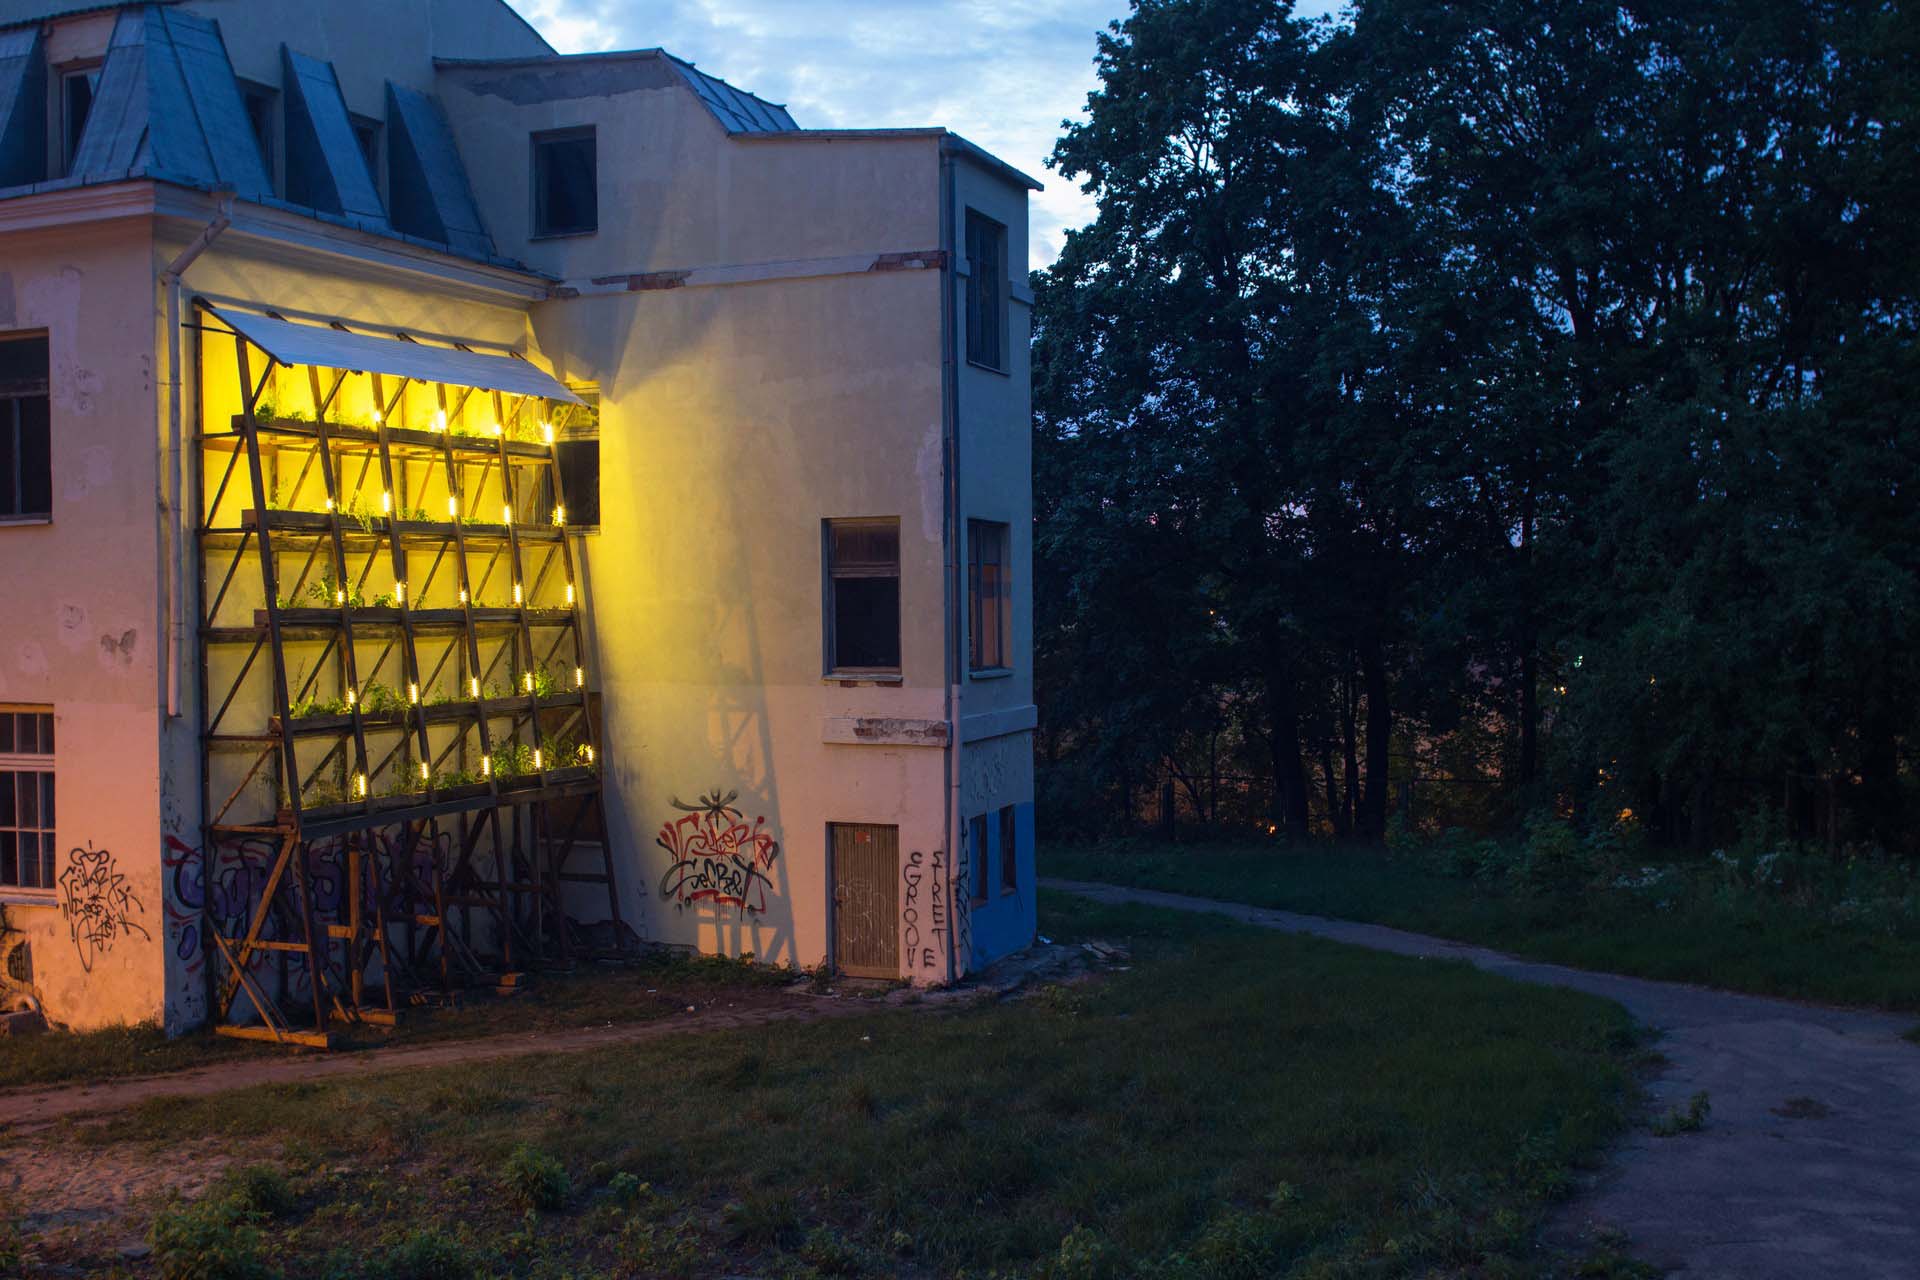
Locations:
{"points": [[440, 875]]}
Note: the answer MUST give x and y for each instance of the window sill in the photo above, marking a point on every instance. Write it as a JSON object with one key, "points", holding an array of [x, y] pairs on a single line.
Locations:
{"points": [[863, 677], [987, 368], [540, 236], [991, 673], [23, 522], [27, 898]]}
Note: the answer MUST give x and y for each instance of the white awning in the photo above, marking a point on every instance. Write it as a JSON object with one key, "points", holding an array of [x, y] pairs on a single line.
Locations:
{"points": [[327, 348]]}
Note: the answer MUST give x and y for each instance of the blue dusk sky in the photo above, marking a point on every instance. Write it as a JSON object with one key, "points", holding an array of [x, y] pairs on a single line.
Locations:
{"points": [[1001, 73]]}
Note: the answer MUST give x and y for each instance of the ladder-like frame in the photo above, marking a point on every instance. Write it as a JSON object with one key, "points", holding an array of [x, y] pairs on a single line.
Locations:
{"points": [[361, 891]]}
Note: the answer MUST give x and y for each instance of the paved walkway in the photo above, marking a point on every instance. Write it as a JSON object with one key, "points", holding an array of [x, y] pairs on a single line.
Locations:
{"points": [[1810, 1164]]}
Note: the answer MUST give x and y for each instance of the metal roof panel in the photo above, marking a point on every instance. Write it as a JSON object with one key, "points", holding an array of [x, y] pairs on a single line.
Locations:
{"points": [[322, 148], [23, 108], [328, 348]]}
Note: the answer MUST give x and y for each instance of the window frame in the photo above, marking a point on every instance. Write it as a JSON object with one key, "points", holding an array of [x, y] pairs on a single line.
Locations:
{"points": [[1009, 850], [571, 430], [37, 763], [70, 137], [268, 133], [537, 142], [977, 601], [986, 291], [831, 574], [11, 395], [370, 135]]}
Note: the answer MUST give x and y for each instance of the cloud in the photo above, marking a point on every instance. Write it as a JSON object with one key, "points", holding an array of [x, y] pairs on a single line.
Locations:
{"points": [[1002, 75]]}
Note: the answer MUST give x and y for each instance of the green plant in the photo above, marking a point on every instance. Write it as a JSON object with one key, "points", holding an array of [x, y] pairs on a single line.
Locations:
{"points": [[214, 1239], [832, 1254], [655, 1247], [378, 698], [258, 1189], [1691, 1120], [768, 1219], [512, 760], [327, 593], [426, 1254], [535, 1179]]}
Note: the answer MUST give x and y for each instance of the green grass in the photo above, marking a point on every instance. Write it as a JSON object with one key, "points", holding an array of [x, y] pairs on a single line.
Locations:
{"points": [[1768, 949], [660, 985], [1236, 1103]]}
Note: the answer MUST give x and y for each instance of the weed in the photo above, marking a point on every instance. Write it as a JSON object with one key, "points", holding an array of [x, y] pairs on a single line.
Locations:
{"points": [[426, 1254], [535, 1179], [258, 1189], [769, 1220], [213, 1239], [1084, 1254], [832, 1254], [1692, 1120], [668, 1250]]}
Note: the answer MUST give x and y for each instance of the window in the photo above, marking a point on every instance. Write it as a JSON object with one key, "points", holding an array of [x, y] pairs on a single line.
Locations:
{"points": [[1009, 851], [26, 446], [863, 595], [259, 103], [77, 88], [977, 841], [26, 798], [367, 133], [989, 597], [566, 178], [576, 448], [986, 291]]}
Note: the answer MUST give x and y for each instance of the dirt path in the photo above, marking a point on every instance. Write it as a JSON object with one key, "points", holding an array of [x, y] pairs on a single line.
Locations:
{"points": [[25, 1110], [1810, 1163]]}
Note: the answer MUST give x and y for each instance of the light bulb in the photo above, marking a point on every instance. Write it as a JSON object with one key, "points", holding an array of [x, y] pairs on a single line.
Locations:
{"points": [[360, 785], [506, 513], [350, 697], [377, 418], [546, 432], [413, 692], [538, 763], [499, 430], [569, 594], [386, 502], [579, 678], [453, 506], [529, 682], [329, 504], [440, 420], [339, 596], [587, 751], [473, 685], [399, 593], [424, 772], [486, 766], [560, 517], [463, 595], [516, 594]]}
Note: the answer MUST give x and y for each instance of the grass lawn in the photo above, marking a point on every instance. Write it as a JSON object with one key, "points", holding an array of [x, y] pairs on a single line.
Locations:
{"points": [[1236, 1103], [1773, 950], [660, 986]]}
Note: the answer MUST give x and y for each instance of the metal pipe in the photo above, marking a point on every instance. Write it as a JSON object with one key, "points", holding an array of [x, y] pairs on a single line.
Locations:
{"points": [[171, 573], [950, 527]]}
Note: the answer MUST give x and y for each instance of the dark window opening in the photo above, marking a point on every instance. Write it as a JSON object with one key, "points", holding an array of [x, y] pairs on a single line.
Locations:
{"points": [[26, 436], [863, 595], [989, 597], [259, 104], [566, 183], [367, 134], [1009, 851], [76, 104], [26, 799], [977, 841], [986, 291], [576, 448]]}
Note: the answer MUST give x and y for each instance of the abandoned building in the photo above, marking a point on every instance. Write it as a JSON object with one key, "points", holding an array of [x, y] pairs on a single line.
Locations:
{"points": [[466, 510]]}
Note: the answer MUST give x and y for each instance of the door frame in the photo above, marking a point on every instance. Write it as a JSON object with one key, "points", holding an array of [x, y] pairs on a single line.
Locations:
{"points": [[833, 904]]}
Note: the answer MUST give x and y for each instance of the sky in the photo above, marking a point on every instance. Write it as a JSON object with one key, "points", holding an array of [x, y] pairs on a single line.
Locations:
{"points": [[1001, 73]]}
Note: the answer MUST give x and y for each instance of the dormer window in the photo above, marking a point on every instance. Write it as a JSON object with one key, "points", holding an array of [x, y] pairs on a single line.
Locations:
{"points": [[259, 100], [566, 183], [77, 88]]}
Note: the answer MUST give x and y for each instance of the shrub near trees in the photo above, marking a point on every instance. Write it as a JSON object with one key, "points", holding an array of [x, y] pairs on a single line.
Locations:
{"points": [[1524, 386]]}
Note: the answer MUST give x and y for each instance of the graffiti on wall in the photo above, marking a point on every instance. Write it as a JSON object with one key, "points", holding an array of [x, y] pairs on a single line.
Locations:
{"points": [[719, 858], [923, 908], [98, 902]]}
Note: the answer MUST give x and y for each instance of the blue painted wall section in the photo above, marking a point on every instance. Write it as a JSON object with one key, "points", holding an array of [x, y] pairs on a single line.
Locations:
{"points": [[1007, 921]]}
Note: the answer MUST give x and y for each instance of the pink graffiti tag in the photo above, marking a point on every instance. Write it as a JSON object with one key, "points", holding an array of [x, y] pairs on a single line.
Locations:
{"points": [[98, 903], [718, 856]]}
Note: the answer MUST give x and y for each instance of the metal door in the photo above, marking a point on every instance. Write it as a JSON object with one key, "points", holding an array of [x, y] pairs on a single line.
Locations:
{"points": [[866, 901]]}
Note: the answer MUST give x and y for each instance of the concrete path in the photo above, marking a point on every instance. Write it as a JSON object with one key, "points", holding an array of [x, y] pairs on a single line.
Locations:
{"points": [[1810, 1164]]}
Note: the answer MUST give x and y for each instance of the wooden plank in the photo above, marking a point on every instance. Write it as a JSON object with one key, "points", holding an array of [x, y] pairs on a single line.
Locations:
{"points": [[305, 1039]]}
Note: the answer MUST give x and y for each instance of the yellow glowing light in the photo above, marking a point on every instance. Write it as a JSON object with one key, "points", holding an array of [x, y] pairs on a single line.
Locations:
{"points": [[473, 685], [579, 678], [425, 773], [516, 594], [463, 595], [499, 430], [377, 419], [506, 513], [587, 752], [453, 506], [486, 766], [350, 697], [399, 593], [569, 594], [538, 763], [560, 516], [386, 502], [529, 682], [339, 596], [329, 504], [546, 432], [413, 692], [360, 785], [440, 420]]}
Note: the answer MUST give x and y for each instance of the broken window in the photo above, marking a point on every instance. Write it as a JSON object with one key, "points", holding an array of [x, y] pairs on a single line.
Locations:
{"points": [[989, 596], [26, 445], [863, 595], [77, 88], [986, 291], [566, 183], [26, 798]]}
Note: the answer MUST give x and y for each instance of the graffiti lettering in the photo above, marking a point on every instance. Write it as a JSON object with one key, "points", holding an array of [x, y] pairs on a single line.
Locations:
{"points": [[718, 857], [98, 904]]}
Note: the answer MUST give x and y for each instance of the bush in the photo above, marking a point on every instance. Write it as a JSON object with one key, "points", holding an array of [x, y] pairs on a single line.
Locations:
{"points": [[258, 1189], [1083, 1255], [214, 1239], [428, 1255], [535, 1179]]}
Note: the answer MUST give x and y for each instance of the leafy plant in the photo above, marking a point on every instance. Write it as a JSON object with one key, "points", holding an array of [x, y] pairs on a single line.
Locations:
{"points": [[535, 1179], [1691, 1120], [217, 1238]]}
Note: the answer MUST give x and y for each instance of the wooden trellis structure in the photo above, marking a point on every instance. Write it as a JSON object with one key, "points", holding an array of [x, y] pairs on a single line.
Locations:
{"points": [[400, 760]]}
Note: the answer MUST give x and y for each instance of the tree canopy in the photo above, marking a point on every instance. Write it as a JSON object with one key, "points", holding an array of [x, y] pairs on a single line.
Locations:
{"points": [[1512, 392]]}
